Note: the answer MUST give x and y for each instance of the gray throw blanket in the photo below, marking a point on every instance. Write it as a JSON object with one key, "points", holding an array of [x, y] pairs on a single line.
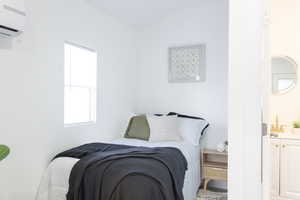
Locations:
{"points": [[120, 172]]}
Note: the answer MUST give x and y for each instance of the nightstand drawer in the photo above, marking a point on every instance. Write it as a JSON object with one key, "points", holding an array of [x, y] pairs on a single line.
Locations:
{"points": [[215, 173]]}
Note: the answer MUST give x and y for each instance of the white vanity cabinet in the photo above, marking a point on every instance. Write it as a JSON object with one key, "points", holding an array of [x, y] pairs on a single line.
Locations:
{"points": [[285, 160]]}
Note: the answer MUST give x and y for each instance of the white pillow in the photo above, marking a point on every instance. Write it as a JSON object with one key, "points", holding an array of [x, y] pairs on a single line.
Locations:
{"points": [[164, 128], [191, 129]]}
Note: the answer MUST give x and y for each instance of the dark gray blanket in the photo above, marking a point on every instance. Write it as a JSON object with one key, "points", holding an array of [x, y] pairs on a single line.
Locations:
{"points": [[120, 172]]}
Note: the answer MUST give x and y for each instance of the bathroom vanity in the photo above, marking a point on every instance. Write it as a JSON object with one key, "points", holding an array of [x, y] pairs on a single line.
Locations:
{"points": [[285, 166]]}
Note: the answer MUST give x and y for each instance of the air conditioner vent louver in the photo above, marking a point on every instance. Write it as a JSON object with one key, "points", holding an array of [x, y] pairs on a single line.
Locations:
{"points": [[8, 29], [4, 34], [8, 32]]}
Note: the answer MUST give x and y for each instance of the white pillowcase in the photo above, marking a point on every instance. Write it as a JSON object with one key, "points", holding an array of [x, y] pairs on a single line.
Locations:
{"points": [[164, 128], [191, 129]]}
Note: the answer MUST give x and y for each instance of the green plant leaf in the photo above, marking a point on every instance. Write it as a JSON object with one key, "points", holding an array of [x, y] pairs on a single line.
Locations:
{"points": [[296, 124], [4, 151]]}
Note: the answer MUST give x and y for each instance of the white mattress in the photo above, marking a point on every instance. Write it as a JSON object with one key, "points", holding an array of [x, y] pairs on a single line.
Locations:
{"points": [[55, 182]]}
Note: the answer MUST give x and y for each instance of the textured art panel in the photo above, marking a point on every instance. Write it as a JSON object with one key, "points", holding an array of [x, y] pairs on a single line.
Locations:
{"points": [[187, 64]]}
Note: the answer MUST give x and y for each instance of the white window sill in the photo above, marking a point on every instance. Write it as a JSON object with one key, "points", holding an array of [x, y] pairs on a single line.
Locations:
{"points": [[80, 124]]}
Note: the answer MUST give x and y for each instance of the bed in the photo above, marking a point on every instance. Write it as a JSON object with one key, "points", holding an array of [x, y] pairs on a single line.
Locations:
{"points": [[55, 182]]}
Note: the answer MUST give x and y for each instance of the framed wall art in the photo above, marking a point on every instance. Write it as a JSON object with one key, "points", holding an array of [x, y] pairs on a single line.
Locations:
{"points": [[187, 64]]}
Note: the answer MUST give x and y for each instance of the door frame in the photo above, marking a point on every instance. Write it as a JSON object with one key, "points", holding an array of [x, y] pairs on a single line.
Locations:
{"points": [[246, 60]]}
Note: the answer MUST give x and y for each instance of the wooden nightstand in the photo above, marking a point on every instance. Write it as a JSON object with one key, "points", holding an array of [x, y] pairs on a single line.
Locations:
{"points": [[214, 165]]}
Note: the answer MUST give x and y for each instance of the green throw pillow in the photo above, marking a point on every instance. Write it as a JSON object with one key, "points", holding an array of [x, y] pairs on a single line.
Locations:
{"points": [[4, 151], [138, 128]]}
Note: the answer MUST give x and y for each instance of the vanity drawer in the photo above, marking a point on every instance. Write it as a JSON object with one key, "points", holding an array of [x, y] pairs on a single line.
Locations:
{"points": [[215, 173]]}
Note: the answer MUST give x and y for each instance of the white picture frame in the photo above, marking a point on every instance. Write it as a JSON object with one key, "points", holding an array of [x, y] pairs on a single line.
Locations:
{"points": [[187, 64]]}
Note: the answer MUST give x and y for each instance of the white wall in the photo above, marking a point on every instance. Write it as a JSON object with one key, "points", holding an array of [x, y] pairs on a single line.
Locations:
{"points": [[31, 85], [285, 42], [206, 22]]}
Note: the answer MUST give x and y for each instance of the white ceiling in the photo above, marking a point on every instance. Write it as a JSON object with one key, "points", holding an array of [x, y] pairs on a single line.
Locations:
{"points": [[141, 12]]}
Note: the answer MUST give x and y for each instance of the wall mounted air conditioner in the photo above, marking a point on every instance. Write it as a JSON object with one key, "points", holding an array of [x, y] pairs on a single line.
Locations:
{"points": [[12, 18]]}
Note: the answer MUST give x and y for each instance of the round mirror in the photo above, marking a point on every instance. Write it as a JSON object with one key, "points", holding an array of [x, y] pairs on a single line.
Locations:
{"points": [[284, 74]]}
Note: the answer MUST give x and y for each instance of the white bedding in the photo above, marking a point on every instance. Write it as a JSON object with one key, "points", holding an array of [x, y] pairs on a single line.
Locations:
{"points": [[55, 182]]}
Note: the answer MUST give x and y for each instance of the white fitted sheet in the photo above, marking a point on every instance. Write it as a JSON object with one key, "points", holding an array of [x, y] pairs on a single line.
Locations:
{"points": [[55, 181]]}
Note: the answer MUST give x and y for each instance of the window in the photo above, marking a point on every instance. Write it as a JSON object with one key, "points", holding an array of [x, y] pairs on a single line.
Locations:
{"points": [[80, 84]]}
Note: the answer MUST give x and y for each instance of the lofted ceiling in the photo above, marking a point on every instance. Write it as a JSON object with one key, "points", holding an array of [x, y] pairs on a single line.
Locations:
{"points": [[141, 12]]}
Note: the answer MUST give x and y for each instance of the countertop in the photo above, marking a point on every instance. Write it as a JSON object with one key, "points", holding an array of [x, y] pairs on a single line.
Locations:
{"points": [[288, 135]]}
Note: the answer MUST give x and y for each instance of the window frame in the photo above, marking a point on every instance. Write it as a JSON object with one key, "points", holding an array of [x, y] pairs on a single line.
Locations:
{"points": [[91, 121]]}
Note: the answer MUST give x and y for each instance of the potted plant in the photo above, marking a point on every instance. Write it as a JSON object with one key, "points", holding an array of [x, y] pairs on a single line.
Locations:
{"points": [[4, 151], [296, 127]]}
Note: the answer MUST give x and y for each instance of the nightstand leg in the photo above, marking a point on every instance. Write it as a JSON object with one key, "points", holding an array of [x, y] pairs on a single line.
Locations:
{"points": [[205, 183]]}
